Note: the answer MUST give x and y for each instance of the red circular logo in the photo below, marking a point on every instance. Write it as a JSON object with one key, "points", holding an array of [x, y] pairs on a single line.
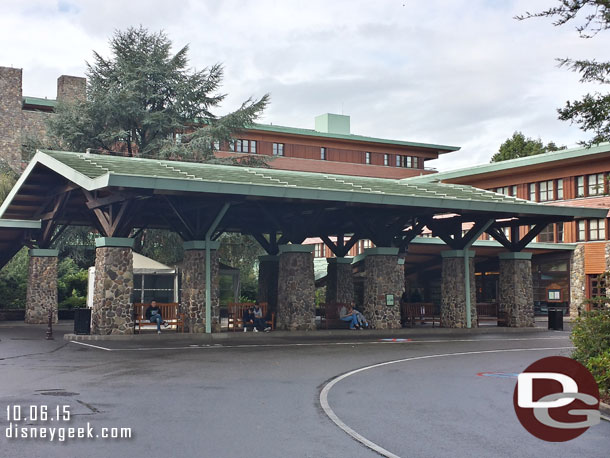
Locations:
{"points": [[556, 399]]}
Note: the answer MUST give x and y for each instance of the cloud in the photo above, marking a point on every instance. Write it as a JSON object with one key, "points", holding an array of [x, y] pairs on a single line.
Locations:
{"points": [[461, 73]]}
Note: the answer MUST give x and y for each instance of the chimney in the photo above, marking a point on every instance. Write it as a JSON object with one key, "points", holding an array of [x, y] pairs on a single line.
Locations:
{"points": [[71, 88], [332, 124]]}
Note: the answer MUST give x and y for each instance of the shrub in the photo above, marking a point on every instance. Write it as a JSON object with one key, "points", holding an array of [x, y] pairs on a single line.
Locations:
{"points": [[591, 335], [600, 368], [73, 302]]}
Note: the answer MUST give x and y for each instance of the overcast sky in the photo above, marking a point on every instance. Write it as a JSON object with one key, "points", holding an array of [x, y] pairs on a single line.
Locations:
{"points": [[451, 72]]}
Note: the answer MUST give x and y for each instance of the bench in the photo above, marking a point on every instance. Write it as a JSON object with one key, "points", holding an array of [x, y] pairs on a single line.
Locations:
{"points": [[331, 316], [236, 314], [424, 312], [170, 312], [488, 311]]}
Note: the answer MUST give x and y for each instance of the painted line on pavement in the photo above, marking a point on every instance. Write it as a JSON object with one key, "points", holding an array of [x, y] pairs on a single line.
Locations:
{"points": [[311, 344], [363, 440]]}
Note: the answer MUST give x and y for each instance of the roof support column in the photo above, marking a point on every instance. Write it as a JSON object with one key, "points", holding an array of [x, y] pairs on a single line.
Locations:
{"points": [[268, 271], [383, 286], [296, 309], [42, 286], [200, 283], [113, 286], [457, 280], [208, 268], [339, 281], [516, 291]]}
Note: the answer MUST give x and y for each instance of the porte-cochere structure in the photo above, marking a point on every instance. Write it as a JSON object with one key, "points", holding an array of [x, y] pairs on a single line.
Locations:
{"points": [[120, 196]]}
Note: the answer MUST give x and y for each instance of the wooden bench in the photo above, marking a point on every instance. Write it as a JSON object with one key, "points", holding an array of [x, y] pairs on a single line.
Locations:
{"points": [[424, 312], [488, 311], [236, 314], [332, 318], [170, 312]]}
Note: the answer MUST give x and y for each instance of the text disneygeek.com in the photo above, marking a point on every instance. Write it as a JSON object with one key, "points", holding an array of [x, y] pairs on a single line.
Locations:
{"points": [[18, 415]]}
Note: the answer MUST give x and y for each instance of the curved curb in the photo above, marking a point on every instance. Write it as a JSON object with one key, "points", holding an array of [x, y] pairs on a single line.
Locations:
{"points": [[363, 440]]}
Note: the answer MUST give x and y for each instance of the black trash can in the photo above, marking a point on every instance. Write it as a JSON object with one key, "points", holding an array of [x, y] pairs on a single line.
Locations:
{"points": [[82, 321], [555, 318]]}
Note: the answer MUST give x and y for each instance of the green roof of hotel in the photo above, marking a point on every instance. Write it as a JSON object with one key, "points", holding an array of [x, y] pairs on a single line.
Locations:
{"points": [[361, 138], [94, 171], [545, 158], [38, 101]]}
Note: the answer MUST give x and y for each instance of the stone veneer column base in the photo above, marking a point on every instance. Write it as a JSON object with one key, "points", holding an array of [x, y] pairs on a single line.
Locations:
{"points": [[453, 290], [516, 290], [112, 311], [339, 281], [42, 286], [267, 281], [578, 279], [383, 275], [193, 286], [296, 309]]}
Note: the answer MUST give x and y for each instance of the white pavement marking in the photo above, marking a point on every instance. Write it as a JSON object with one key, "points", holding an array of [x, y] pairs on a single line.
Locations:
{"points": [[316, 344], [363, 440]]}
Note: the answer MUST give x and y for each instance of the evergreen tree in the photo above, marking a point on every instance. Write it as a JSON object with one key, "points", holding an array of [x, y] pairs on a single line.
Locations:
{"points": [[592, 112], [519, 146], [141, 97]]}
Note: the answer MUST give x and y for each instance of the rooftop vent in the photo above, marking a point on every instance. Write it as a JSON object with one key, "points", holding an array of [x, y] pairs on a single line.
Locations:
{"points": [[332, 124]]}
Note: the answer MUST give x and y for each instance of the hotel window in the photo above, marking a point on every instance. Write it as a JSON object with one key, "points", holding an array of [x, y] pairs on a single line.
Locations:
{"points": [[253, 146], [560, 189], [398, 161], [178, 138], [241, 146], [548, 234], [323, 153], [366, 244], [513, 190], [386, 159], [532, 193], [232, 145], [506, 231], [317, 253], [597, 229], [582, 231], [367, 158], [504, 190], [596, 184], [278, 149], [580, 186], [412, 162], [546, 191], [216, 145], [559, 238]]}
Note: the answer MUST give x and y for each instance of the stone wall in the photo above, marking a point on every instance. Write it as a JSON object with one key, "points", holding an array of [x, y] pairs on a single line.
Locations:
{"points": [[296, 310], [339, 281], [10, 117], [267, 281], [383, 275], [578, 279], [16, 124], [193, 290], [71, 88], [113, 286], [41, 290], [453, 293], [515, 291]]}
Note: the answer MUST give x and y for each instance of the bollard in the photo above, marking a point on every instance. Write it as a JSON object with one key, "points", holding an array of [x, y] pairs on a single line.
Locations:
{"points": [[50, 326]]}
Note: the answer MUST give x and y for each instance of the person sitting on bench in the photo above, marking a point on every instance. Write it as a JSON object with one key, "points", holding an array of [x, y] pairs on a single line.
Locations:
{"points": [[259, 321], [153, 314], [361, 319], [350, 316]]}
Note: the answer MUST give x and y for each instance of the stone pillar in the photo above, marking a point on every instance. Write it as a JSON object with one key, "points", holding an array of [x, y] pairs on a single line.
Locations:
{"points": [[339, 281], [267, 281], [516, 290], [578, 279], [42, 286], [112, 311], [453, 289], [11, 119], [383, 276], [193, 286], [296, 308]]}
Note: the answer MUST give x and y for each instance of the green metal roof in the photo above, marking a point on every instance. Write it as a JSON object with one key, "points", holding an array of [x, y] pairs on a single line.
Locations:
{"points": [[514, 163], [360, 138], [94, 171], [39, 102]]}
